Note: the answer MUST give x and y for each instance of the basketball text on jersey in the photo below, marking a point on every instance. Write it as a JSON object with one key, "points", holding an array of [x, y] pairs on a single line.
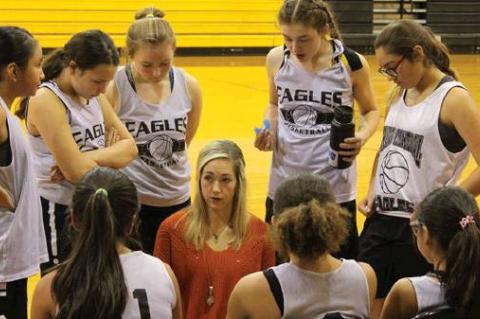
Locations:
{"points": [[137, 128], [385, 203], [158, 151], [90, 134], [326, 98], [408, 141]]}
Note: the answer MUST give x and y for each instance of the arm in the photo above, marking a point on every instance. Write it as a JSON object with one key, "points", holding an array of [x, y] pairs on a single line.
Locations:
{"points": [[196, 111], [370, 116], [112, 95], [43, 305], [124, 150], [48, 118], [365, 206], [177, 310], [163, 243], [372, 283], [265, 140], [459, 110], [401, 302], [251, 298]]}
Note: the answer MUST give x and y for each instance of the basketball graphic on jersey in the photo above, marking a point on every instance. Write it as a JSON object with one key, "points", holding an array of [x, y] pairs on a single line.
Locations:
{"points": [[160, 147], [304, 115], [394, 172], [159, 150]]}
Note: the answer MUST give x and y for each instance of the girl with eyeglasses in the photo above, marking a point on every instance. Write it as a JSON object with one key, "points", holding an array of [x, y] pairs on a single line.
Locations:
{"points": [[431, 126], [310, 76], [446, 226]]}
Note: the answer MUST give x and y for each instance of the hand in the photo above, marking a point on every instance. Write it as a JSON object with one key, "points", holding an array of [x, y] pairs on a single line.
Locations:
{"points": [[56, 174], [112, 137], [6, 199], [351, 147], [264, 139], [366, 206]]}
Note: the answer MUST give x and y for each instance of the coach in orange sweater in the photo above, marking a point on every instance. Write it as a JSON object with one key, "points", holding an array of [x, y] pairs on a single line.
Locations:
{"points": [[214, 243]]}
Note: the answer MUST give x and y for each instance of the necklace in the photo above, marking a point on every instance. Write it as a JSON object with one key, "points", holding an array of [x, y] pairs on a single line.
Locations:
{"points": [[216, 236], [210, 299]]}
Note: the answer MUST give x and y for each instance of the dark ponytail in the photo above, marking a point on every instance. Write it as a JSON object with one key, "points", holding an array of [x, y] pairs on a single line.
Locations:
{"points": [[90, 283], [452, 218], [87, 49], [400, 37], [311, 13]]}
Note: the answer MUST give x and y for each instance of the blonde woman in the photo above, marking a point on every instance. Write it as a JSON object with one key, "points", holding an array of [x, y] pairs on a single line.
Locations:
{"points": [[215, 242]]}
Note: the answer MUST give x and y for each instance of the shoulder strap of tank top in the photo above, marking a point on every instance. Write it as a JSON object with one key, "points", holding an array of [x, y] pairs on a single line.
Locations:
{"points": [[286, 55], [275, 288], [61, 100], [128, 73], [351, 58]]}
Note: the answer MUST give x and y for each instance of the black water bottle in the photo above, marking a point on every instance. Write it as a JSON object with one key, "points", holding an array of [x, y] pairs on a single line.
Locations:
{"points": [[342, 128]]}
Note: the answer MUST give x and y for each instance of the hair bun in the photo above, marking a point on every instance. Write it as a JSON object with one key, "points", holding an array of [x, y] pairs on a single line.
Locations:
{"points": [[150, 12]]}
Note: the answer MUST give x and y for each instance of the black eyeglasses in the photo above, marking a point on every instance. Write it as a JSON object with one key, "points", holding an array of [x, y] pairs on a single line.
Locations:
{"points": [[415, 226], [391, 72]]}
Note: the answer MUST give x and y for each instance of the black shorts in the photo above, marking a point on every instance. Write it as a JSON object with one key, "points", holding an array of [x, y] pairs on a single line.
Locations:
{"points": [[150, 219], [56, 223], [349, 249], [13, 299], [387, 244]]}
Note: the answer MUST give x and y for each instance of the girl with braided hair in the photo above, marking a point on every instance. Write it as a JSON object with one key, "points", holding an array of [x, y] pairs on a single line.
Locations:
{"points": [[310, 76]]}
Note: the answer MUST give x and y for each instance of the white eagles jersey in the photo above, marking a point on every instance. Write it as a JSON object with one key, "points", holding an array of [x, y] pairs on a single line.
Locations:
{"points": [[306, 101], [161, 171], [88, 130]]}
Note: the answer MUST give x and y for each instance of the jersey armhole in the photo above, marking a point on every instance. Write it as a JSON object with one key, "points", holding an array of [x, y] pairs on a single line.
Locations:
{"points": [[275, 288], [351, 58]]}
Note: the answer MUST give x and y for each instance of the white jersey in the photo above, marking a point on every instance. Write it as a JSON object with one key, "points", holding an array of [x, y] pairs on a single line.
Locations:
{"points": [[413, 160], [22, 239], [308, 294], [161, 171], [306, 101], [150, 288], [429, 292], [88, 130]]}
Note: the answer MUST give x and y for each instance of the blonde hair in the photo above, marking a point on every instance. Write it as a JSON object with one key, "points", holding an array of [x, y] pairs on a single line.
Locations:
{"points": [[197, 222], [149, 27]]}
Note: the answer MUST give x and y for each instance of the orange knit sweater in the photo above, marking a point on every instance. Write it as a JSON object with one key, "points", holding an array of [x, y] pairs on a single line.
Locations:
{"points": [[195, 269]]}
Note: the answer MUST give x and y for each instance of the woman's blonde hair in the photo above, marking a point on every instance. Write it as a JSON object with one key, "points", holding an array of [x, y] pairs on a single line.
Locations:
{"points": [[149, 27], [197, 222]]}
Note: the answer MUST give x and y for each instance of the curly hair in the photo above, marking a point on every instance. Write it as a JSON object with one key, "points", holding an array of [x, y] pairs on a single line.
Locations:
{"points": [[310, 230]]}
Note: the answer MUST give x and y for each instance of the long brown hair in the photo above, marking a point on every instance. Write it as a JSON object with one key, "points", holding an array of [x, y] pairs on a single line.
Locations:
{"points": [[400, 37], [90, 283], [452, 218], [311, 13]]}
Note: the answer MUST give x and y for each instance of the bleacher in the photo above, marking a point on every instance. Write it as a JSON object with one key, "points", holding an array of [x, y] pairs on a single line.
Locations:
{"points": [[240, 25], [197, 23], [458, 22]]}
